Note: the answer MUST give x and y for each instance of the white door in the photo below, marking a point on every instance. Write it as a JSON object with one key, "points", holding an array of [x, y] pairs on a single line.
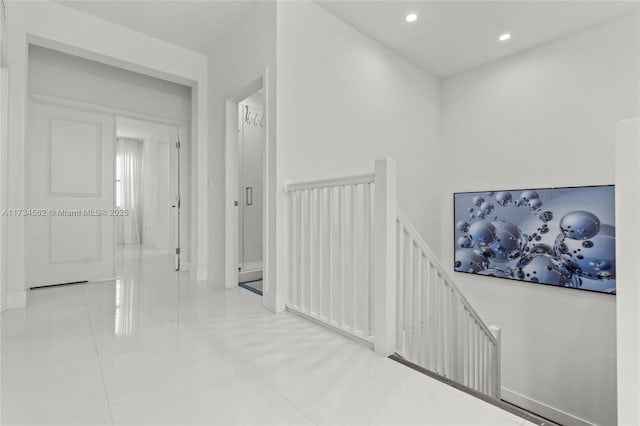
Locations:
{"points": [[69, 184]]}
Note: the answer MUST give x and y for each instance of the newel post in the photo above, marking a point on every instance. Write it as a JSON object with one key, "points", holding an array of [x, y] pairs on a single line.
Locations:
{"points": [[384, 257]]}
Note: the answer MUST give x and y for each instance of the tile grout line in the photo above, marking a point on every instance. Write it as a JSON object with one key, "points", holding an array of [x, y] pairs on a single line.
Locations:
{"points": [[265, 381], [349, 389], [95, 346], [307, 418], [276, 390], [255, 371]]}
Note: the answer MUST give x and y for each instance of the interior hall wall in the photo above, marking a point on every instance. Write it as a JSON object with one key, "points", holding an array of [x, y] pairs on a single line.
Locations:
{"points": [[70, 77], [4, 116], [544, 118], [628, 253], [345, 101]]}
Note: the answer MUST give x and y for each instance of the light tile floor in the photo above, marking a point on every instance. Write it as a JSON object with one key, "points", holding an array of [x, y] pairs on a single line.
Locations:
{"points": [[153, 348]]}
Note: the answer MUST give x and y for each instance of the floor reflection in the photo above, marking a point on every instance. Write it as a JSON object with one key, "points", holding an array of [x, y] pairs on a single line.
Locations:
{"points": [[124, 299]]}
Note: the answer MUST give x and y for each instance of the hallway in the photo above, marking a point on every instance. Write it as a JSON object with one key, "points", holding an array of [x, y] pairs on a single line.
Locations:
{"points": [[154, 348]]}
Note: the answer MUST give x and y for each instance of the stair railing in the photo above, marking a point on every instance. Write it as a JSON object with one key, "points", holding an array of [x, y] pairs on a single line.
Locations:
{"points": [[437, 328], [330, 252], [359, 266]]}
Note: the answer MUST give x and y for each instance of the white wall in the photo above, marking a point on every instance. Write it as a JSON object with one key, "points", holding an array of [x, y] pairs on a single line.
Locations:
{"points": [[544, 118], [345, 101], [236, 61], [4, 115], [3, 35], [66, 76], [628, 300]]}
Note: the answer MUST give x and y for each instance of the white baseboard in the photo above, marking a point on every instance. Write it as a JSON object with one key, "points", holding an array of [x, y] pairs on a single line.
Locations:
{"points": [[199, 274], [543, 409], [16, 300]]}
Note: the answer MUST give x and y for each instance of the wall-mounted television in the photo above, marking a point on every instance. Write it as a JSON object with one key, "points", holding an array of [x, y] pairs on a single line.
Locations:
{"points": [[555, 236]]}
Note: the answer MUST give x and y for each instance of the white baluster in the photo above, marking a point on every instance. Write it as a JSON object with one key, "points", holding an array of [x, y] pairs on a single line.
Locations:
{"points": [[484, 364], [330, 248], [408, 295], [433, 324], [299, 246], [317, 253], [355, 259], [401, 326], [466, 338], [426, 288], [474, 354], [365, 286], [441, 323], [295, 253], [497, 334], [418, 307], [460, 349], [478, 356], [446, 337], [370, 248], [342, 216], [312, 251], [304, 249]]}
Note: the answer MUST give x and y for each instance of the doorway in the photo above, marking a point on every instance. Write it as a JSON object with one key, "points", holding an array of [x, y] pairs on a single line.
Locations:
{"points": [[132, 52], [148, 192], [250, 151]]}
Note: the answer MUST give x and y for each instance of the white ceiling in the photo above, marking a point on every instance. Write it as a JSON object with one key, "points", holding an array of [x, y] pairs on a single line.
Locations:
{"points": [[449, 36], [195, 25], [453, 36]]}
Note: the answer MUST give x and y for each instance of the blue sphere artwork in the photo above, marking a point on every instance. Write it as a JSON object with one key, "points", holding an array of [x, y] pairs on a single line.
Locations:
{"points": [[558, 236]]}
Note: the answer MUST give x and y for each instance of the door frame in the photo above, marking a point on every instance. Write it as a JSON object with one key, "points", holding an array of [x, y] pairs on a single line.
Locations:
{"points": [[181, 136], [232, 171], [116, 113], [38, 24]]}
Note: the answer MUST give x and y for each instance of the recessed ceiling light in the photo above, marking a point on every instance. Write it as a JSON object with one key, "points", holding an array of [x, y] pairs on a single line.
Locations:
{"points": [[411, 17], [504, 37]]}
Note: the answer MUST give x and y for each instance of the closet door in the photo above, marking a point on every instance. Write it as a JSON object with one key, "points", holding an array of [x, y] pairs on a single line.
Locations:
{"points": [[69, 187]]}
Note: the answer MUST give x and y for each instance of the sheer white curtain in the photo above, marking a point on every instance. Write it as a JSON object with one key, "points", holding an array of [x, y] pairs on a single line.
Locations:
{"points": [[129, 189]]}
